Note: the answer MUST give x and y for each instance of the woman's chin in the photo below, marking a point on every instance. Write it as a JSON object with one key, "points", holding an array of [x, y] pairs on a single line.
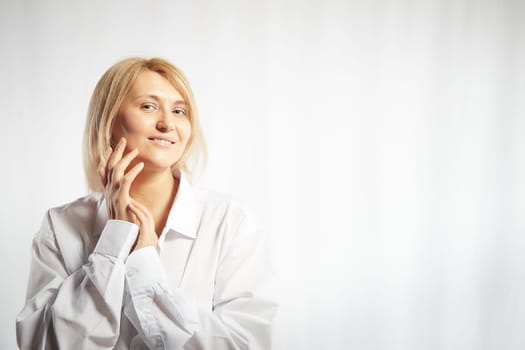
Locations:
{"points": [[157, 165]]}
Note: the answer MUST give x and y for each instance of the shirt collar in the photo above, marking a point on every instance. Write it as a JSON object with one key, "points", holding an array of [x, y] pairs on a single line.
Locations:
{"points": [[182, 217]]}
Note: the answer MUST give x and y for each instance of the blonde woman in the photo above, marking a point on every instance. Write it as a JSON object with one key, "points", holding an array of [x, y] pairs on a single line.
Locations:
{"points": [[146, 261]]}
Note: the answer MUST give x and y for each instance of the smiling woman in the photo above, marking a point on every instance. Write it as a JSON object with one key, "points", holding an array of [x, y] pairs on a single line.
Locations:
{"points": [[153, 115], [146, 260]]}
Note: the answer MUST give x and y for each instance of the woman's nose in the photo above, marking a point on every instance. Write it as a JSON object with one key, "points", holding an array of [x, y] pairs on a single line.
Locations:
{"points": [[165, 123]]}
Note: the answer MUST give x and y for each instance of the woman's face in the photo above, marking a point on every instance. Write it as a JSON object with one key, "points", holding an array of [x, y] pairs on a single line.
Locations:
{"points": [[154, 119]]}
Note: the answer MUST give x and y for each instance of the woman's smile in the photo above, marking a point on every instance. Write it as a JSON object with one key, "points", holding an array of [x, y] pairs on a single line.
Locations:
{"points": [[153, 118], [162, 141]]}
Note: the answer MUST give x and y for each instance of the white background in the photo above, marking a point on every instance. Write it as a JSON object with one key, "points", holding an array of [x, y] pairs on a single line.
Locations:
{"points": [[382, 144]]}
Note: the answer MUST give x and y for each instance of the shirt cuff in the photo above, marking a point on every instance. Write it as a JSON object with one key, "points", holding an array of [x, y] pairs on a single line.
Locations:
{"points": [[117, 238], [144, 268]]}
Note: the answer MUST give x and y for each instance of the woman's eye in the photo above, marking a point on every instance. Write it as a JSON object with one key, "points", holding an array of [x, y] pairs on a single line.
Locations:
{"points": [[179, 111], [148, 107]]}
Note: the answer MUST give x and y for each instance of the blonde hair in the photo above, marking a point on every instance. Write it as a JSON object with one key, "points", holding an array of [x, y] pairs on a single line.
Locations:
{"points": [[106, 100]]}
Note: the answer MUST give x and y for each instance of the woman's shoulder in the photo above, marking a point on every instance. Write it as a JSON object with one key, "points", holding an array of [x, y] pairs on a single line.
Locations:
{"points": [[86, 205], [70, 229], [223, 204], [77, 215]]}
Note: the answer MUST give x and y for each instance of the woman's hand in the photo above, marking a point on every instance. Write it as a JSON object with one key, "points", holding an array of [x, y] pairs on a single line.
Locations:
{"points": [[117, 181], [147, 235]]}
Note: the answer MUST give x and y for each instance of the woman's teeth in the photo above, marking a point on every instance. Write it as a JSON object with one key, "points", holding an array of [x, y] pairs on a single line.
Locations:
{"points": [[163, 142]]}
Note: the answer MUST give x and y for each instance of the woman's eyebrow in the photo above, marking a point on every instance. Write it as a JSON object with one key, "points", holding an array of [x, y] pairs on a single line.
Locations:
{"points": [[157, 98]]}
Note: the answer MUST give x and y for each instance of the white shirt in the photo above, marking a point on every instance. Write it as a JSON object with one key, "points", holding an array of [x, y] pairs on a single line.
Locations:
{"points": [[203, 287]]}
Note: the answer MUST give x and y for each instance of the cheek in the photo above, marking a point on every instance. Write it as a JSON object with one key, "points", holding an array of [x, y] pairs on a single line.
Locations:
{"points": [[130, 126], [186, 131]]}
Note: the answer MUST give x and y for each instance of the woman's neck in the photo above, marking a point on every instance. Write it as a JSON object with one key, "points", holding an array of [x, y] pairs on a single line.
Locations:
{"points": [[156, 191]]}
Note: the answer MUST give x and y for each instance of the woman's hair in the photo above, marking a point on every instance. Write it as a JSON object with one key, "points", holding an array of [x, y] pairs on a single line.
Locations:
{"points": [[105, 103]]}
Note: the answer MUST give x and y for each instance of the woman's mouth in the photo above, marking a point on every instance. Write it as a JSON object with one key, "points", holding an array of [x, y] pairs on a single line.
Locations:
{"points": [[162, 141]]}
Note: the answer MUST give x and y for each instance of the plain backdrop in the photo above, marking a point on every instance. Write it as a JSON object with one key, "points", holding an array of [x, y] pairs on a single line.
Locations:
{"points": [[381, 143]]}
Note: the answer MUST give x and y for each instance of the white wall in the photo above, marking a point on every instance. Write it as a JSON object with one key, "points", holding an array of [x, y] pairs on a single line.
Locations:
{"points": [[381, 142]]}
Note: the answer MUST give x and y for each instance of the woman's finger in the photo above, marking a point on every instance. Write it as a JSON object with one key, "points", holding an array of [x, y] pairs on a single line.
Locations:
{"points": [[118, 170], [103, 164], [147, 235], [117, 153], [138, 212], [143, 214], [130, 176]]}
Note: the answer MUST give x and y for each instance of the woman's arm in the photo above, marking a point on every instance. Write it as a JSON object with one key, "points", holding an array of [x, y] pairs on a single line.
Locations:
{"points": [[82, 309], [242, 309]]}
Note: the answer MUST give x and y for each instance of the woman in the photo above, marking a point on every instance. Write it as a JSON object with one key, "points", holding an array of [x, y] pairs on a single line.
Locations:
{"points": [[146, 261]]}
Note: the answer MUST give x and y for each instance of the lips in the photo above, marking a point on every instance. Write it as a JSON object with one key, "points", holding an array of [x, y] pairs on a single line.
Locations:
{"points": [[162, 140]]}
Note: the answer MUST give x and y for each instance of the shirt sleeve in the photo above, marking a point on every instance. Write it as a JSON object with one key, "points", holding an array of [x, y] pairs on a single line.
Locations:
{"points": [[81, 309], [243, 308]]}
